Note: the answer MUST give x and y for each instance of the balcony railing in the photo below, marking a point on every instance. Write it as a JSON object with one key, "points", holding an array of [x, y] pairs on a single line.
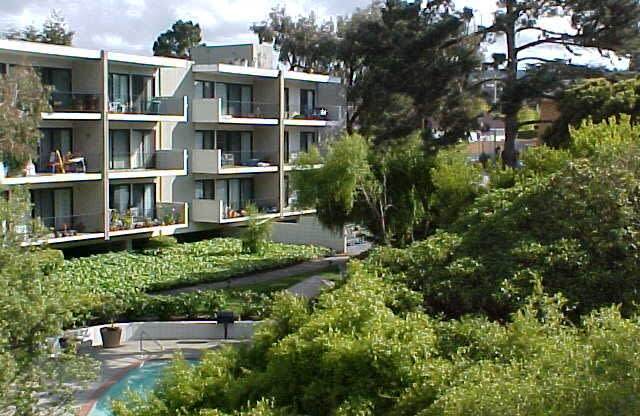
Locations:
{"points": [[247, 159], [249, 109], [72, 102], [318, 113], [71, 162], [164, 106], [238, 209], [61, 226], [160, 215], [157, 160]]}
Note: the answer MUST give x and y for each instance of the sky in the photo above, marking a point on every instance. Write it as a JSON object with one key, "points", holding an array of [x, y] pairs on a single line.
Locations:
{"points": [[133, 25]]}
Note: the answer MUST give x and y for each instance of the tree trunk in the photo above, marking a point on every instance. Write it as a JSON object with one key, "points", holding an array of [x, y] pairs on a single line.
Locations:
{"points": [[511, 113]]}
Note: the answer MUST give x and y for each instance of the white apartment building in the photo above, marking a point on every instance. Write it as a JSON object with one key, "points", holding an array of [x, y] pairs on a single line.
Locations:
{"points": [[137, 146]]}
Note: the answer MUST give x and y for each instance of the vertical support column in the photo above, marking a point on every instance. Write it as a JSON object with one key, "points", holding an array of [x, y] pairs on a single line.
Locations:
{"points": [[104, 81], [281, 128]]}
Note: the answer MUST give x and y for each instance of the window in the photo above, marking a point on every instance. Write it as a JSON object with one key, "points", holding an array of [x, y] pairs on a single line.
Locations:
{"points": [[205, 89], [307, 102], [287, 154], [54, 207], [3, 68], [138, 198], [205, 189], [307, 140], [51, 142], [205, 139]]}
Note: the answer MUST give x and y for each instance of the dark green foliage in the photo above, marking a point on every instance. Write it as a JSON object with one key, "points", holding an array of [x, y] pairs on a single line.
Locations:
{"points": [[176, 42], [595, 99], [572, 223], [416, 72], [354, 354]]}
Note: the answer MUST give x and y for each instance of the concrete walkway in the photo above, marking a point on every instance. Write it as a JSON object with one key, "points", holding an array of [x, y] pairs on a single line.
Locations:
{"points": [[309, 267], [310, 288]]}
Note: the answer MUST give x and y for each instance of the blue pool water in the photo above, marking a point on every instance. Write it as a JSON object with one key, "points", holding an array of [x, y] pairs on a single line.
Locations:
{"points": [[141, 380]]}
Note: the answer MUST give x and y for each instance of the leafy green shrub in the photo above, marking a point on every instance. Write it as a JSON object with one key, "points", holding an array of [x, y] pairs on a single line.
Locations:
{"points": [[456, 184], [160, 242], [577, 229], [50, 260], [352, 354], [257, 232]]}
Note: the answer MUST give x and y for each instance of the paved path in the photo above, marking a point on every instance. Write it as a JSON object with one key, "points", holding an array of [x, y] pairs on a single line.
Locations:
{"points": [[311, 287], [313, 266]]}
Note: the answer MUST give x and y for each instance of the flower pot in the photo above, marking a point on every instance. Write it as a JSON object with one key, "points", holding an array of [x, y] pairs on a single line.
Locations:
{"points": [[111, 336]]}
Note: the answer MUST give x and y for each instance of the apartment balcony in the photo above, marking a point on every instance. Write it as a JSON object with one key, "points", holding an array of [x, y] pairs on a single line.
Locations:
{"points": [[217, 211], [74, 106], [218, 110], [220, 162], [291, 161], [148, 164], [56, 168], [62, 229], [163, 218], [319, 116], [171, 109]]}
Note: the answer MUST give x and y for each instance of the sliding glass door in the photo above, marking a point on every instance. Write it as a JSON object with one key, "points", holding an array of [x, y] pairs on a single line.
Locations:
{"points": [[236, 194], [307, 102], [237, 144], [142, 93], [119, 96], [142, 149], [59, 80], [239, 100], [54, 207], [120, 149], [138, 199], [52, 142]]}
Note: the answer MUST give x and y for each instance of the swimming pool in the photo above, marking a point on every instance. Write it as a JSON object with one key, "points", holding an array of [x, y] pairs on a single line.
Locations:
{"points": [[141, 380]]}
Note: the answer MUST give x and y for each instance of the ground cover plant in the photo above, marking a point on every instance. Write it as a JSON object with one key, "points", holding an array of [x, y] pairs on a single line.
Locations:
{"points": [[121, 279]]}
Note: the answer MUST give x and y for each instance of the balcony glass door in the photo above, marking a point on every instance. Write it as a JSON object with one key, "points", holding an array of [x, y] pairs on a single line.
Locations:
{"points": [[119, 96], [54, 207], [142, 149], [138, 198], [236, 146], [307, 140], [59, 79], [307, 102], [239, 100], [52, 142], [142, 93], [205, 139], [236, 194], [120, 148]]}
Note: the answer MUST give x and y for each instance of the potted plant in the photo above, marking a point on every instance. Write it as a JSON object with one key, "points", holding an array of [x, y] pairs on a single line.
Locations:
{"points": [[111, 335], [127, 220]]}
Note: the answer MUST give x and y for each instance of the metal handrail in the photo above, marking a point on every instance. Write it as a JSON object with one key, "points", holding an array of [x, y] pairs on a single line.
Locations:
{"points": [[141, 339]]}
